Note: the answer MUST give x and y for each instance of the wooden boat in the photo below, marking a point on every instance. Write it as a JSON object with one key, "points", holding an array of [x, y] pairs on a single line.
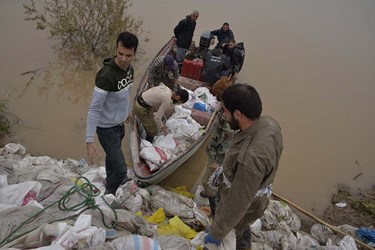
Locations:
{"points": [[141, 170]]}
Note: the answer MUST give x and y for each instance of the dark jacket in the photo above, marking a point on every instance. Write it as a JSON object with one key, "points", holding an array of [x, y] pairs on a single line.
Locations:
{"points": [[222, 36], [236, 55], [216, 65], [184, 32]]}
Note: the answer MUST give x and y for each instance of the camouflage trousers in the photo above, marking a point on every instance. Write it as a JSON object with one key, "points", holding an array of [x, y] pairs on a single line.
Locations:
{"points": [[208, 171]]}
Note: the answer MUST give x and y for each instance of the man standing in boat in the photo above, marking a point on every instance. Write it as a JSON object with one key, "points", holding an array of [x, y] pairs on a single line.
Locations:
{"points": [[249, 166], [163, 69], [184, 32], [220, 139], [110, 108], [157, 99]]}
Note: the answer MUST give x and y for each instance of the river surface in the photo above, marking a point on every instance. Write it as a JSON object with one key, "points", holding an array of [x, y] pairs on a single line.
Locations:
{"points": [[313, 63]]}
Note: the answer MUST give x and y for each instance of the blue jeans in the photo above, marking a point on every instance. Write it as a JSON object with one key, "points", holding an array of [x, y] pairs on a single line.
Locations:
{"points": [[116, 169]]}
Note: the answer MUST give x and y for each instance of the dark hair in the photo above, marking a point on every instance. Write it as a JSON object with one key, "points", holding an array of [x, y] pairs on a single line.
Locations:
{"points": [[183, 94], [128, 40], [219, 46], [244, 98], [226, 24]]}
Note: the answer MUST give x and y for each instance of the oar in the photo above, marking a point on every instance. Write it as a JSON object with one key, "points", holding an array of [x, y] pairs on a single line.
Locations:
{"points": [[212, 117], [333, 228]]}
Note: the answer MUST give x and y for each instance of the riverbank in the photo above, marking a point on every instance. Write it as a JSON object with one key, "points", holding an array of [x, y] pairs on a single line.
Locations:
{"points": [[355, 208], [280, 225]]}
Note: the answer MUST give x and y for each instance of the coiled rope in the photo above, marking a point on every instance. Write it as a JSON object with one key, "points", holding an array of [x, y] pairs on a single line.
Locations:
{"points": [[87, 190]]}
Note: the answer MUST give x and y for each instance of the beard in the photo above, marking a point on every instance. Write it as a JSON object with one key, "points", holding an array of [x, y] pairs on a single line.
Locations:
{"points": [[233, 123]]}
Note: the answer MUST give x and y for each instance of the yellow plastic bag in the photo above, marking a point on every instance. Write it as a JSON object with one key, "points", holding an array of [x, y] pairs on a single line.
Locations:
{"points": [[180, 190], [157, 217], [77, 181], [177, 227]]}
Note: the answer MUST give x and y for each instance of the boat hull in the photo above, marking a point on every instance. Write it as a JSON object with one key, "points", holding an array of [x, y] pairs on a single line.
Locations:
{"points": [[142, 173]]}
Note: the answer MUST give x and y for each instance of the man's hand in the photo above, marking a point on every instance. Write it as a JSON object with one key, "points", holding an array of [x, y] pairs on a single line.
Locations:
{"points": [[150, 85], [91, 151], [208, 239], [215, 165], [164, 130]]}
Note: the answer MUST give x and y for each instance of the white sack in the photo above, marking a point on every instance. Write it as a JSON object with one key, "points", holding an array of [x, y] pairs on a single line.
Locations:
{"points": [[82, 229], [155, 155], [134, 242], [166, 142], [128, 197], [16, 193], [14, 148], [228, 243]]}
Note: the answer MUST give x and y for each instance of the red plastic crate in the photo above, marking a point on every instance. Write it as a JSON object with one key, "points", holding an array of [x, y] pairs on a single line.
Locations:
{"points": [[192, 68]]}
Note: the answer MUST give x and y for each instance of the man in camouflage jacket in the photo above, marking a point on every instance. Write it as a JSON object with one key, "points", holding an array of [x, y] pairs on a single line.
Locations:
{"points": [[221, 137]]}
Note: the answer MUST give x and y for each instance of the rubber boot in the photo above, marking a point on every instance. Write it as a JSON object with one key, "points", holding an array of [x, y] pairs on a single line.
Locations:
{"points": [[243, 238], [213, 203], [150, 138]]}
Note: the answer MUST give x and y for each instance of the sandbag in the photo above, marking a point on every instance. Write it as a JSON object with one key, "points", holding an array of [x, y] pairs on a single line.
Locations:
{"points": [[176, 204], [278, 212], [20, 194], [135, 224], [130, 242], [127, 197], [173, 242], [228, 243]]}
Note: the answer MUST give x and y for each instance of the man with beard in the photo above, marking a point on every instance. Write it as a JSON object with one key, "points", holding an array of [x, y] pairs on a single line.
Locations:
{"points": [[236, 53], [249, 166], [157, 99], [110, 108], [184, 32]]}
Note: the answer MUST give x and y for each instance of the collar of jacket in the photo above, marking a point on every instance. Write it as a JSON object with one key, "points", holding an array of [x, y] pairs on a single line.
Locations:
{"points": [[243, 134]]}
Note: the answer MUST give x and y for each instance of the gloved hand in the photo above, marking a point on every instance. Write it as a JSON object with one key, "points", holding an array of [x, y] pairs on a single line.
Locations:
{"points": [[209, 239]]}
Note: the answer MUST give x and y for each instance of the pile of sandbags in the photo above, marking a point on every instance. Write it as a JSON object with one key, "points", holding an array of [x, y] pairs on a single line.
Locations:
{"points": [[70, 210]]}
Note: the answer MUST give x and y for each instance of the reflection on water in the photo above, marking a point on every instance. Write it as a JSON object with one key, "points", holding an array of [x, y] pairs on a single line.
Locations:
{"points": [[312, 62], [73, 83], [85, 31]]}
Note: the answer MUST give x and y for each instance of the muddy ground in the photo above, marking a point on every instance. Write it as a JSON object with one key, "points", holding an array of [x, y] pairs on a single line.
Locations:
{"points": [[359, 210]]}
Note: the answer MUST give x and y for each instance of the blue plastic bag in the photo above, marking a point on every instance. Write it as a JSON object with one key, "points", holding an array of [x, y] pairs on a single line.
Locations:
{"points": [[200, 106], [366, 235]]}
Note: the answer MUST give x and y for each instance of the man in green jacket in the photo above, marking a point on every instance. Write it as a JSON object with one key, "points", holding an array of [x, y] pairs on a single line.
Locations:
{"points": [[249, 166]]}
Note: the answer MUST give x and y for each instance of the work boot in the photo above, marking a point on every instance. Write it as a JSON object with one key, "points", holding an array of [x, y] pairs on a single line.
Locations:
{"points": [[213, 203], [124, 181], [243, 238], [205, 194], [150, 138], [110, 191]]}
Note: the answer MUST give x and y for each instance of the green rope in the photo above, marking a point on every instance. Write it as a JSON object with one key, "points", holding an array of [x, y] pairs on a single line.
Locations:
{"points": [[86, 190]]}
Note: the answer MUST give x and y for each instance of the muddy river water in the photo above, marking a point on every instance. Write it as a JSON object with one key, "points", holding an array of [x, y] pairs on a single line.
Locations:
{"points": [[313, 63]]}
